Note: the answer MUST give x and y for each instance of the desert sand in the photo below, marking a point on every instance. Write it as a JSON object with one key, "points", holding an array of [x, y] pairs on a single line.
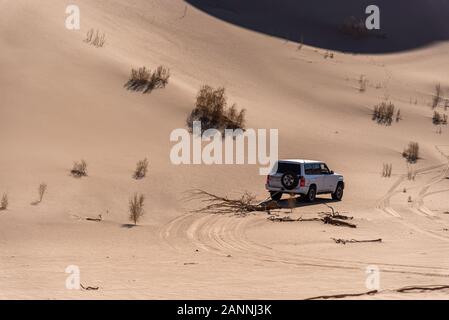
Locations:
{"points": [[62, 100]]}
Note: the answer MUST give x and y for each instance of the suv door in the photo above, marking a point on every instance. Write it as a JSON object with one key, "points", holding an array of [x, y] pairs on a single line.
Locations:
{"points": [[314, 176], [329, 180]]}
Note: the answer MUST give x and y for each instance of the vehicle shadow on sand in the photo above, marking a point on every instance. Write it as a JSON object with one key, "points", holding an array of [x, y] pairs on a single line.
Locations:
{"points": [[298, 202]]}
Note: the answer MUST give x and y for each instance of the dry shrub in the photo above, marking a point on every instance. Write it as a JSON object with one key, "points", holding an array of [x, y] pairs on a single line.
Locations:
{"points": [[362, 83], [411, 153], [144, 80], [437, 96], [4, 203], [411, 173], [42, 188], [214, 204], [354, 27], [159, 78], [141, 169], [95, 38], [212, 111], [439, 119], [398, 115], [79, 169], [384, 112], [386, 170], [136, 207], [329, 55]]}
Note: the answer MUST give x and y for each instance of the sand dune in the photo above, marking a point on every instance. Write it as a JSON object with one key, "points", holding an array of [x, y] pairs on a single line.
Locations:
{"points": [[406, 25], [62, 100]]}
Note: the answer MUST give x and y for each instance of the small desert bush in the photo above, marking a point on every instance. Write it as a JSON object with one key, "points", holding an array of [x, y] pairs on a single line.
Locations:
{"points": [[411, 153], [95, 38], [79, 169], [386, 170], [42, 188], [437, 96], [159, 78], [212, 111], [354, 27], [144, 80], [329, 55], [4, 203], [411, 173], [398, 115], [141, 169], [136, 207], [384, 112], [439, 119], [362, 83]]}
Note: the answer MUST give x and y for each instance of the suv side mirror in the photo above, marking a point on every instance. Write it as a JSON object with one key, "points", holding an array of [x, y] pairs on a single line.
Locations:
{"points": [[332, 172]]}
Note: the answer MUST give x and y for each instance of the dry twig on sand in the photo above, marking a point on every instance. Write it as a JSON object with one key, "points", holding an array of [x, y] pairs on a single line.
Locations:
{"points": [[345, 241], [99, 219], [422, 288], [246, 204], [223, 205], [88, 288], [344, 295], [409, 289], [333, 218]]}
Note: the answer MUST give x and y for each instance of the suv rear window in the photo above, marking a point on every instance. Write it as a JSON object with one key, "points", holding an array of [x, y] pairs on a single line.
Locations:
{"points": [[284, 167]]}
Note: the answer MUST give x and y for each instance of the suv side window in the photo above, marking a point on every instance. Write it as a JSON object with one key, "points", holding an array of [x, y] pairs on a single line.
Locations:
{"points": [[316, 168], [324, 169], [308, 169], [312, 169]]}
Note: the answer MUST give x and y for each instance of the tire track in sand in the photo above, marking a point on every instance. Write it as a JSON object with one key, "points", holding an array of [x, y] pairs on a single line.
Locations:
{"points": [[224, 235]]}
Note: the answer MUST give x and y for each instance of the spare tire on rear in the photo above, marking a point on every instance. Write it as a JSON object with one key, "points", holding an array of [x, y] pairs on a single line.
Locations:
{"points": [[289, 180]]}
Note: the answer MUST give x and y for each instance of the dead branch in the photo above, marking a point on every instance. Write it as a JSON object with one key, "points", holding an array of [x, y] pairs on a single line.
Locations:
{"points": [[214, 204], [336, 214], [99, 219], [223, 205], [282, 219], [343, 295], [409, 289], [423, 288], [326, 220], [337, 222], [88, 288], [344, 241]]}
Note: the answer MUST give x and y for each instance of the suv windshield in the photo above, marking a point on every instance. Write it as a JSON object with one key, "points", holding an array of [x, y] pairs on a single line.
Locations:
{"points": [[284, 167]]}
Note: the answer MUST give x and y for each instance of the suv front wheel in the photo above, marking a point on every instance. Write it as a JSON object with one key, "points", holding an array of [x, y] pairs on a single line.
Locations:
{"points": [[338, 194]]}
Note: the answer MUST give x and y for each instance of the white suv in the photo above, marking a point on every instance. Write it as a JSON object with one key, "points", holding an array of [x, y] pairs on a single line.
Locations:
{"points": [[305, 177]]}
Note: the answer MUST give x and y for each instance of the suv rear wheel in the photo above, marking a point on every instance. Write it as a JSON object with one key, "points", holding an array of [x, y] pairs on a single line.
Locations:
{"points": [[289, 180], [338, 193], [276, 195], [311, 195]]}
